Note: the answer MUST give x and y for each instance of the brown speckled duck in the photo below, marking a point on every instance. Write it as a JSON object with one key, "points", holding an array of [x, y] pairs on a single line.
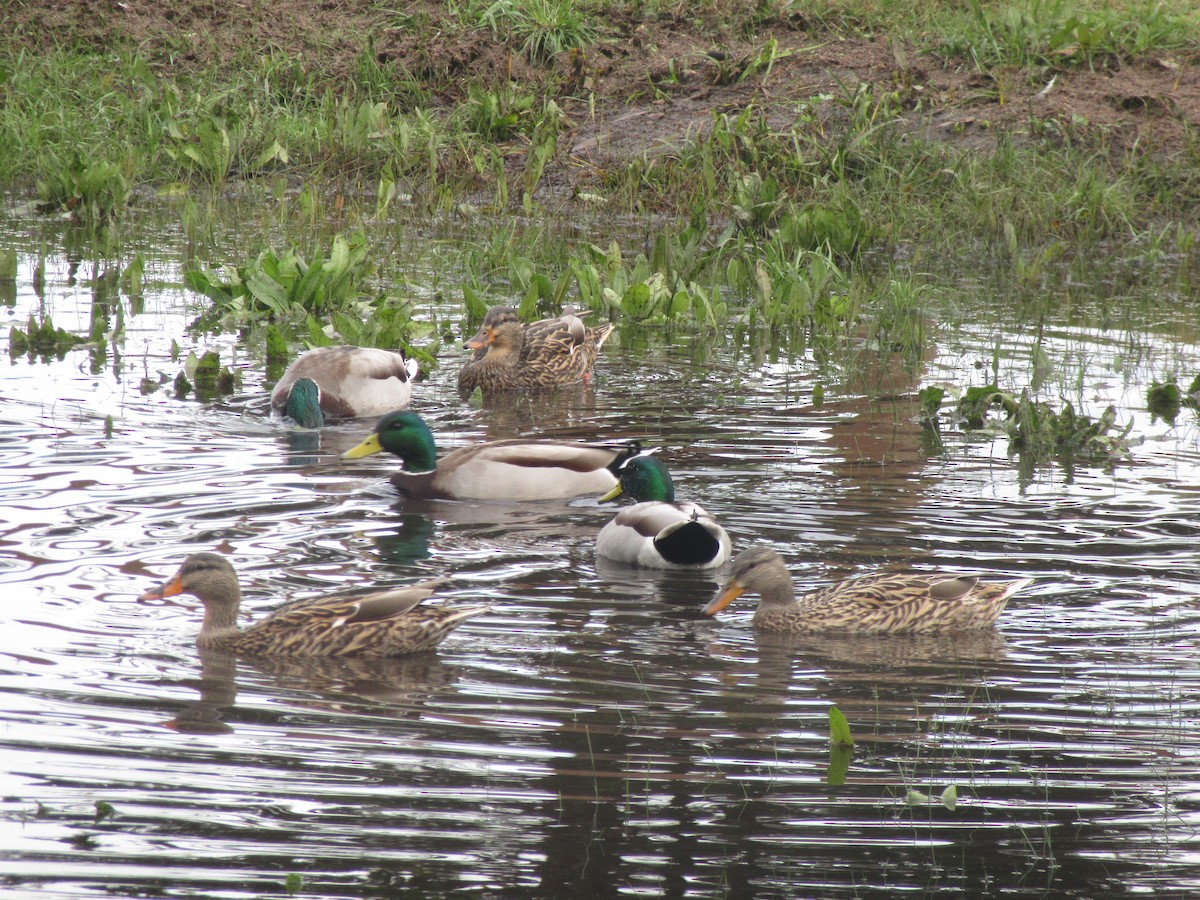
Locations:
{"points": [[385, 623], [909, 603], [512, 356]]}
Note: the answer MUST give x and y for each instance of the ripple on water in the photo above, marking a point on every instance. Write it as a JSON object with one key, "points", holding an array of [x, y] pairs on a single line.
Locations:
{"points": [[594, 715]]}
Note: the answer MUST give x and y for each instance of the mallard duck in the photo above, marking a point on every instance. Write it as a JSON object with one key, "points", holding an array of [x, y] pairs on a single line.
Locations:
{"points": [[510, 355], [343, 382], [883, 603], [498, 470], [385, 623], [657, 531]]}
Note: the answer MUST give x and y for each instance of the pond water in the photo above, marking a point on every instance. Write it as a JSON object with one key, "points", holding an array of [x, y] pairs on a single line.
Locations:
{"points": [[593, 734]]}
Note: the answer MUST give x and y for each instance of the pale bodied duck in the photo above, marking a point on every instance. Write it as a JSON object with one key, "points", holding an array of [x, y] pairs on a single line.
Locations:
{"points": [[883, 603], [512, 356], [343, 382], [656, 531], [498, 470], [385, 623]]}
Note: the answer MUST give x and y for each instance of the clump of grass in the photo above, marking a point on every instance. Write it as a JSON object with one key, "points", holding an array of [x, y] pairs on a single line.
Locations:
{"points": [[94, 193], [320, 299], [498, 114], [544, 28], [1056, 34]]}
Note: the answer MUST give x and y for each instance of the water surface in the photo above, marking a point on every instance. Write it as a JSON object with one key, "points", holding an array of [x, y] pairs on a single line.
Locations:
{"points": [[593, 733]]}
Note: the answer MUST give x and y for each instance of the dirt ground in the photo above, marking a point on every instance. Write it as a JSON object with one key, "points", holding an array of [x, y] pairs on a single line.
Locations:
{"points": [[1152, 103]]}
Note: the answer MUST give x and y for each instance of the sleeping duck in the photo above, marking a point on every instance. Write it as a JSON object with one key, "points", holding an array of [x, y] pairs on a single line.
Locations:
{"points": [[343, 382], [498, 470], [657, 531]]}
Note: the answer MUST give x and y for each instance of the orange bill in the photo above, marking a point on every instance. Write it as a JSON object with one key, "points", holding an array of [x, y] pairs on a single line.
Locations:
{"points": [[727, 595], [166, 589]]}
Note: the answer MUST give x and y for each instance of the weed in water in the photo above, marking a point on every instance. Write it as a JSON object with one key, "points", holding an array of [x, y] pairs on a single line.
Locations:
{"points": [[285, 286], [41, 339], [94, 193]]}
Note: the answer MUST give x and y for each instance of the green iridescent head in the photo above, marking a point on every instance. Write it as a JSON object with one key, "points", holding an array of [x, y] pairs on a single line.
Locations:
{"points": [[644, 478], [304, 404], [405, 434]]}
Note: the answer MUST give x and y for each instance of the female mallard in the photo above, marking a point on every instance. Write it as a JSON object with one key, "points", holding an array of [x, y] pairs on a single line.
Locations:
{"points": [[498, 470], [908, 603], [511, 356], [385, 623], [343, 382], [657, 531]]}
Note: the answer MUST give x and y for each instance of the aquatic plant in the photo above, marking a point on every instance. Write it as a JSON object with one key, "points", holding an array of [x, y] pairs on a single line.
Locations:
{"points": [[41, 339], [94, 193], [209, 144], [839, 728], [1037, 431], [498, 114], [8, 265], [1165, 399], [206, 376], [285, 286], [841, 748], [947, 798], [930, 398]]}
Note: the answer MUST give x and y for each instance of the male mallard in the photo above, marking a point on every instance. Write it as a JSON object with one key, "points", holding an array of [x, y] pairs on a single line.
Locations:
{"points": [[511, 356], [343, 382], [498, 470], [385, 623], [657, 531], [893, 604]]}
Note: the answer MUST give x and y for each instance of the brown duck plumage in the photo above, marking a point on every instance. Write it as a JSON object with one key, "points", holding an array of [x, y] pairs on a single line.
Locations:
{"points": [[908, 603], [511, 356], [385, 623]]}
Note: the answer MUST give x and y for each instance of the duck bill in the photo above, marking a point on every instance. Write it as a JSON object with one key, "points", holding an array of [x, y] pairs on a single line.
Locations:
{"points": [[727, 595], [482, 338], [366, 448], [167, 589], [613, 494]]}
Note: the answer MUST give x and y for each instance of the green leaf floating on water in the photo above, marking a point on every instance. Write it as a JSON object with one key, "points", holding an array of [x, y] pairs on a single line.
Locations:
{"points": [[839, 729], [916, 798], [950, 797]]}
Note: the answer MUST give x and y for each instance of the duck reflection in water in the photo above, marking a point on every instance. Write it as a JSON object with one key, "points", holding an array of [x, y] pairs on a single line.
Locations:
{"points": [[405, 684]]}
